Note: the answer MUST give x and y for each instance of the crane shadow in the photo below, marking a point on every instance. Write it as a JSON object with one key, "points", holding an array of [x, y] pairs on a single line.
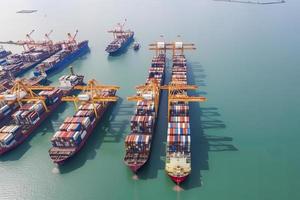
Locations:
{"points": [[202, 118]]}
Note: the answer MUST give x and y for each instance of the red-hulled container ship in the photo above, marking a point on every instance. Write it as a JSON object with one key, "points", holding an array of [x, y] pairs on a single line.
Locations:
{"points": [[138, 142], [178, 151], [178, 154], [75, 131], [31, 114]]}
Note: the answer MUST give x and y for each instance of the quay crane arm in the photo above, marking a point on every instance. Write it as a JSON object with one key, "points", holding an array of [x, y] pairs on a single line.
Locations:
{"points": [[178, 93], [22, 92], [28, 36], [158, 47], [47, 36], [181, 47], [142, 89], [71, 39], [92, 93]]}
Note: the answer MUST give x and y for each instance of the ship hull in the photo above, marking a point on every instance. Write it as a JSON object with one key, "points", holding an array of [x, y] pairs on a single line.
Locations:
{"points": [[122, 48], [75, 150], [178, 179], [82, 50], [29, 66]]}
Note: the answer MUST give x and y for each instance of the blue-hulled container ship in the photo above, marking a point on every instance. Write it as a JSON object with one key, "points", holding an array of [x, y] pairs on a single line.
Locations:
{"points": [[122, 38], [70, 52], [18, 64], [4, 53]]}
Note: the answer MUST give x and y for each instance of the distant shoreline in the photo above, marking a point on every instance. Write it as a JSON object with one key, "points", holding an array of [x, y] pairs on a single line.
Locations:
{"points": [[254, 2]]}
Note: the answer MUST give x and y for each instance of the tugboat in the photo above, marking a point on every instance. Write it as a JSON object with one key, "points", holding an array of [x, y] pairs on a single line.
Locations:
{"points": [[136, 46], [122, 38], [38, 80]]}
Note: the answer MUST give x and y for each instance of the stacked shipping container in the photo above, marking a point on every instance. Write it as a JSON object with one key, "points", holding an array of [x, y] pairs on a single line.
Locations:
{"points": [[74, 129], [8, 134], [178, 151], [178, 139]]}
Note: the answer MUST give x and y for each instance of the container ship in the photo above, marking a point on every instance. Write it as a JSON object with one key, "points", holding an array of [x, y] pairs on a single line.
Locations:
{"points": [[178, 155], [138, 141], [70, 51], [178, 148], [122, 38], [18, 64], [3, 53], [36, 109], [75, 131]]}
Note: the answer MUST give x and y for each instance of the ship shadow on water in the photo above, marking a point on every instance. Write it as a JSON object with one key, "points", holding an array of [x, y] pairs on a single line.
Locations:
{"points": [[202, 118], [107, 130]]}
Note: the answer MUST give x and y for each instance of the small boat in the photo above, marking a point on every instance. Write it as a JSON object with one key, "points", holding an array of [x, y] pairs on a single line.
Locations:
{"points": [[136, 46]]}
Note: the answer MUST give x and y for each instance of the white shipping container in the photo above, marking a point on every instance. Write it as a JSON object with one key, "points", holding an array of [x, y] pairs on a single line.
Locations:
{"points": [[83, 97], [83, 134]]}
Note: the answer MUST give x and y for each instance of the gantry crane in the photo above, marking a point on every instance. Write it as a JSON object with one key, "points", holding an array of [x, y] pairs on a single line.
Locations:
{"points": [[178, 93], [92, 93], [162, 47], [27, 44], [71, 39], [152, 87], [22, 92], [47, 38], [180, 46], [119, 30], [158, 47], [30, 43]]}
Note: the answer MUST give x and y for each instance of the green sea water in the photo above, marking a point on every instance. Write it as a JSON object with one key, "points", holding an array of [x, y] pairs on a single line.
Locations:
{"points": [[245, 138]]}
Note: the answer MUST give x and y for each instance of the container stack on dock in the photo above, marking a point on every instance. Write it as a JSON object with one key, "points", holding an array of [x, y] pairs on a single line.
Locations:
{"points": [[178, 154], [138, 142]]}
